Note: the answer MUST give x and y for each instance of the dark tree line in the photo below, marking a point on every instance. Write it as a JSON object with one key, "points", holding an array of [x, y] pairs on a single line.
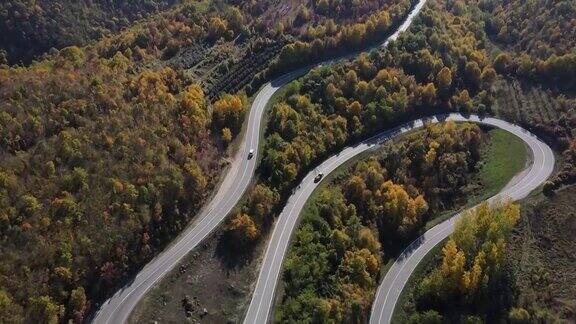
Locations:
{"points": [[30, 28]]}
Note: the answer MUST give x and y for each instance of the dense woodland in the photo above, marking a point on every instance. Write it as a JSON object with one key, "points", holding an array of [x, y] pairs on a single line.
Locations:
{"points": [[29, 28], [472, 282], [109, 150], [533, 46], [330, 39], [460, 63], [96, 178], [357, 223], [538, 28], [344, 103], [103, 162], [540, 35]]}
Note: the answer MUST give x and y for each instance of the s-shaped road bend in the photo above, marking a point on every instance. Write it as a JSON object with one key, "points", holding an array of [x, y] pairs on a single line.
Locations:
{"points": [[389, 290], [397, 276], [118, 307]]}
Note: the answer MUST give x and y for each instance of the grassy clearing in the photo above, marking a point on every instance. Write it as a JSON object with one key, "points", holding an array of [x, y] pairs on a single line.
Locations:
{"points": [[505, 157]]}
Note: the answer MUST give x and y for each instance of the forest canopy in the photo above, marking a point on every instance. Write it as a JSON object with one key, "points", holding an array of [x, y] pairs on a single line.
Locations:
{"points": [[355, 224], [471, 281], [108, 150], [111, 148], [29, 28]]}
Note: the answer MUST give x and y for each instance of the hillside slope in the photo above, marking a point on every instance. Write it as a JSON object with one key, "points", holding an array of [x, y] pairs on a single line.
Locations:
{"points": [[29, 28]]}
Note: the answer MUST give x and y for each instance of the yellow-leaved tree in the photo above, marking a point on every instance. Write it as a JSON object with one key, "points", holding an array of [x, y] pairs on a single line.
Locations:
{"points": [[473, 256], [193, 109], [242, 230], [229, 112], [400, 207]]}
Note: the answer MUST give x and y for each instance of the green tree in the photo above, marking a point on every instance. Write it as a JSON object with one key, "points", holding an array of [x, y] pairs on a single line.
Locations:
{"points": [[78, 302], [429, 95], [10, 312], [502, 63], [473, 74], [488, 77], [44, 310]]}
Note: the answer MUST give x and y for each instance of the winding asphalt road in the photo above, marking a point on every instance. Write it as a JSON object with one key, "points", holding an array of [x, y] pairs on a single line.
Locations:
{"points": [[241, 171], [397, 276], [120, 305], [262, 300]]}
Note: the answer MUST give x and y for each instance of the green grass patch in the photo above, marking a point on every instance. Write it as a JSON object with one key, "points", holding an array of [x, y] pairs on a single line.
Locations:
{"points": [[505, 157]]}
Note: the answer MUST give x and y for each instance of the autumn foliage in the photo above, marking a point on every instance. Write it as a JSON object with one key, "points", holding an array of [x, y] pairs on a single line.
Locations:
{"points": [[229, 112], [115, 160], [472, 262], [326, 40], [242, 230], [350, 229]]}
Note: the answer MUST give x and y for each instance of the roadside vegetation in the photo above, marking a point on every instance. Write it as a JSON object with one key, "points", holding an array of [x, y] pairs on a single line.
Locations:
{"points": [[444, 63], [532, 282], [336, 105], [470, 283], [502, 158], [109, 150], [320, 283], [322, 41], [99, 177], [536, 94], [300, 292], [357, 223]]}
